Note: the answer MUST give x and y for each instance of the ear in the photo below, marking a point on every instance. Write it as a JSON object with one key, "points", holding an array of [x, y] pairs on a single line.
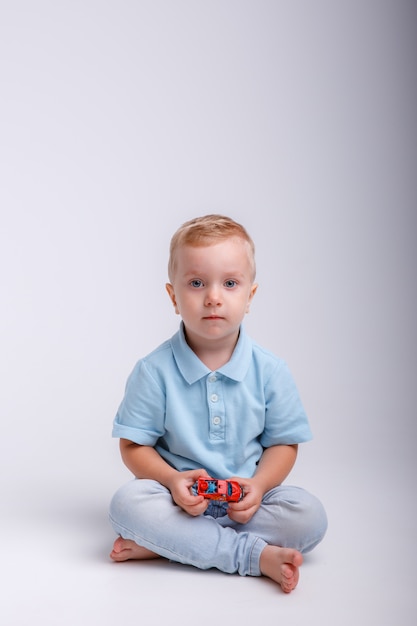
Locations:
{"points": [[171, 293], [252, 292]]}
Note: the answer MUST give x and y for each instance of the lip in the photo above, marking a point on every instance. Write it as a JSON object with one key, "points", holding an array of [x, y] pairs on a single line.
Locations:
{"points": [[213, 317]]}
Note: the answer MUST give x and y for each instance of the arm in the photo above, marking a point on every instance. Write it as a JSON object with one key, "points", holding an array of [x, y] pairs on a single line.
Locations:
{"points": [[274, 466], [145, 462]]}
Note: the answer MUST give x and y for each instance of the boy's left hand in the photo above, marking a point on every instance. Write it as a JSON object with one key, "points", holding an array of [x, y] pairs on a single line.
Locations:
{"points": [[244, 510]]}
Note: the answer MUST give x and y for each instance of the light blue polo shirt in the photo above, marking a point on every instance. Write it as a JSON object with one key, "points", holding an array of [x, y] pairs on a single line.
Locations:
{"points": [[219, 421]]}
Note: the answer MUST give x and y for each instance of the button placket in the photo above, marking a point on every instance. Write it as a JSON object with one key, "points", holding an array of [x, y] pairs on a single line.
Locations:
{"points": [[216, 407]]}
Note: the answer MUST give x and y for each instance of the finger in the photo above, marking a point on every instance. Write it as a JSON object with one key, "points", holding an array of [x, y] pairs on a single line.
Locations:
{"points": [[192, 500], [242, 517], [197, 509], [239, 506], [194, 474], [237, 516]]}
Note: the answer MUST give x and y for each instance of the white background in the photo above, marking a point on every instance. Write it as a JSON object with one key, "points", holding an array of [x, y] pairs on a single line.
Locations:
{"points": [[118, 122]]}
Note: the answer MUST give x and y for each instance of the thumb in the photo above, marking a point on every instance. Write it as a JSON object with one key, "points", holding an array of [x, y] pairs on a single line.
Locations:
{"points": [[198, 473]]}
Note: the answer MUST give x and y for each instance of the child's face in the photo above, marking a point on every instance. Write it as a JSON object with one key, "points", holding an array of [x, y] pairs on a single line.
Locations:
{"points": [[212, 289]]}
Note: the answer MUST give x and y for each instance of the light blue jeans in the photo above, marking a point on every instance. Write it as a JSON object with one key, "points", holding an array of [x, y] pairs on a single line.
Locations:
{"points": [[143, 511]]}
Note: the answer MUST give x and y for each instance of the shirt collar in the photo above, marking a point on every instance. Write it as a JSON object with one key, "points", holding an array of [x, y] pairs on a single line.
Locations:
{"points": [[193, 369]]}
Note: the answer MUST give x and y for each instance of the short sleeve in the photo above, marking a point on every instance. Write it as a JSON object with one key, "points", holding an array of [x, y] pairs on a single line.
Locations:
{"points": [[285, 418], [140, 417]]}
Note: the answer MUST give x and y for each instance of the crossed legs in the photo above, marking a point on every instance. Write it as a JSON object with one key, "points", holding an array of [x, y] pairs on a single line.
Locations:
{"points": [[150, 525]]}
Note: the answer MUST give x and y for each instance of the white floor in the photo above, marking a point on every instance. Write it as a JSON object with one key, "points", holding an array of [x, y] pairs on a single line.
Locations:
{"points": [[55, 568]]}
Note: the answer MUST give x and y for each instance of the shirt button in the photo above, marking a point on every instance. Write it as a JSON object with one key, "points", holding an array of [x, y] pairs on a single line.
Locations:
{"points": [[216, 420], [214, 397], [212, 378]]}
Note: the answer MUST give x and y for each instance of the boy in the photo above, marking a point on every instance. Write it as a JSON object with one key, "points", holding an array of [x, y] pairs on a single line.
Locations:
{"points": [[211, 402]]}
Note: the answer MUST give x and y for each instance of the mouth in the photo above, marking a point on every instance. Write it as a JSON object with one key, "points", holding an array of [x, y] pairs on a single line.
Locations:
{"points": [[213, 317]]}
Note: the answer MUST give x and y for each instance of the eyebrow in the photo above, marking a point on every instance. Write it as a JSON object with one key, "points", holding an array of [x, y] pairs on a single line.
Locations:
{"points": [[191, 273]]}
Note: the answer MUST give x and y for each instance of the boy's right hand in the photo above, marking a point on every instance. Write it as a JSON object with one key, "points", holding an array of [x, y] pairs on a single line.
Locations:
{"points": [[180, 485]]}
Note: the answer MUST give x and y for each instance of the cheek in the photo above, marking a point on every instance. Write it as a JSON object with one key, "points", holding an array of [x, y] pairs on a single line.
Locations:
{"points": [[184, 304], [247, 305]]}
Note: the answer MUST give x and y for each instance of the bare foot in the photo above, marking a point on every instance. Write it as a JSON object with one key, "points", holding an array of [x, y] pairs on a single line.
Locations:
{"points": [[281, 565], [125, 549]]}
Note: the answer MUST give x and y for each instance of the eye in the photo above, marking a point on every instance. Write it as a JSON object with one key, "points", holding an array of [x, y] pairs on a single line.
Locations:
{"points": [[230, 283], [196, 283]]}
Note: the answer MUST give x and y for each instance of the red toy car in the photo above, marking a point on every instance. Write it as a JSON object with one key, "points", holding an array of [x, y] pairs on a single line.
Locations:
{"points": [[213, 489]]}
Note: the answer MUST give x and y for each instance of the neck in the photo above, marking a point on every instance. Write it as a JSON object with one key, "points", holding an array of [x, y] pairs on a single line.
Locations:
{"points": [[212, 354]]}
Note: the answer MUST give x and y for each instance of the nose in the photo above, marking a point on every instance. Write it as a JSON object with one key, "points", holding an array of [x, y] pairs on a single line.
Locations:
{"points": [[213, 296]]}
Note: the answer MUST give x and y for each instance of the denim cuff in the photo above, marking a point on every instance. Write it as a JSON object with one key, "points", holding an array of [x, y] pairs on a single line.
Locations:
{"points": [[255, 555]]}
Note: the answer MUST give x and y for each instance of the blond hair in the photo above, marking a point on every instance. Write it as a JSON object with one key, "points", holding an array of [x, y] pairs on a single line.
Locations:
{"points": [[206, 231]]}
